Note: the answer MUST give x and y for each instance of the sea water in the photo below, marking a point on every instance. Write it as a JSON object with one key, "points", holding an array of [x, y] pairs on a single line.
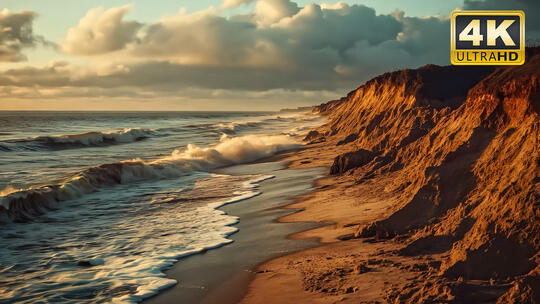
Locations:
{"points": [[94, 206]]}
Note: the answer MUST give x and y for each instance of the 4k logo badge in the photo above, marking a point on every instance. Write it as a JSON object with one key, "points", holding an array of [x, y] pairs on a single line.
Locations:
{"points": [[487, 37]]}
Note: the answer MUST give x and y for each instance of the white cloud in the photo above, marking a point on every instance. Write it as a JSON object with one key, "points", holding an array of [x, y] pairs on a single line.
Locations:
{"points": [[203, 38], [101, 31], [268, 12], [234, 3]]}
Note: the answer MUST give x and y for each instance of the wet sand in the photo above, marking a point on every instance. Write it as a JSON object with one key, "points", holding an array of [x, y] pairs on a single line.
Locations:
{"points": [[351, 271], [222, 275]]}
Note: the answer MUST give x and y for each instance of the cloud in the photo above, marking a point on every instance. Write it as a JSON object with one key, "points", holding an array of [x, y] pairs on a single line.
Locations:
{"points": [[16, 34], [289, 38], [268, 12], [202, 38], [316, 46], [277, 46], [101, 31], [314, 27], [234, 3]]}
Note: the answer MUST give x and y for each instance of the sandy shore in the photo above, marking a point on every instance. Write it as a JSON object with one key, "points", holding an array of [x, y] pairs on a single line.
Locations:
{"points": [[352, 271], [222, 275]]}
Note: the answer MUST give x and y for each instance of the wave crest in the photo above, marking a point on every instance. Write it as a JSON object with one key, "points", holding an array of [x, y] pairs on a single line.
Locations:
{"points": [[25, 204], [88, 139]]}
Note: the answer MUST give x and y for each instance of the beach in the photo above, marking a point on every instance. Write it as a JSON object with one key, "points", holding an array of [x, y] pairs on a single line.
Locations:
{"points": [[222, 275], [289, 241], [339, 270]]}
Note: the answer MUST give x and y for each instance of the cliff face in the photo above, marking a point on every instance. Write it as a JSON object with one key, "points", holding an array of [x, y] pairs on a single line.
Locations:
{"points": [[463, 146]]}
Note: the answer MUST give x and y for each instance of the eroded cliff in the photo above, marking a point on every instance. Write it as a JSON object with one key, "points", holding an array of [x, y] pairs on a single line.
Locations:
{"points": [[462, 146]]}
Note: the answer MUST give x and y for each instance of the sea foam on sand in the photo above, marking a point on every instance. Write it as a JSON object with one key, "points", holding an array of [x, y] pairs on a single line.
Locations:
{"points": [[150, 278]]}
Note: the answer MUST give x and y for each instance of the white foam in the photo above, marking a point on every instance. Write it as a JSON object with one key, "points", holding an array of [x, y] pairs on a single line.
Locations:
{"points": [[234, 150], [245, 194], [150, 278]]}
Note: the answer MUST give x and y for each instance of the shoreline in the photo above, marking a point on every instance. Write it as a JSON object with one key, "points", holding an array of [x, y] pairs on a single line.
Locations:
{"points": [[218, 274], [330, 253]]}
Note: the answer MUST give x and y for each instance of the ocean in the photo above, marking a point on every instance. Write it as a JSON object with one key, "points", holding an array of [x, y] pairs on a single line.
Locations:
{"points": [[94, 206]]}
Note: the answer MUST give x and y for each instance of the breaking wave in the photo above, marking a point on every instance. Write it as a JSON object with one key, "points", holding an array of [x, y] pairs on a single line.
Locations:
{"points": [[22, 205], [88, 139], [235, 126]]}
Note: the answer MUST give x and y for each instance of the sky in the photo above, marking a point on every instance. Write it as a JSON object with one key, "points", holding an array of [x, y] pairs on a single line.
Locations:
{"points": [[215, 55]]}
